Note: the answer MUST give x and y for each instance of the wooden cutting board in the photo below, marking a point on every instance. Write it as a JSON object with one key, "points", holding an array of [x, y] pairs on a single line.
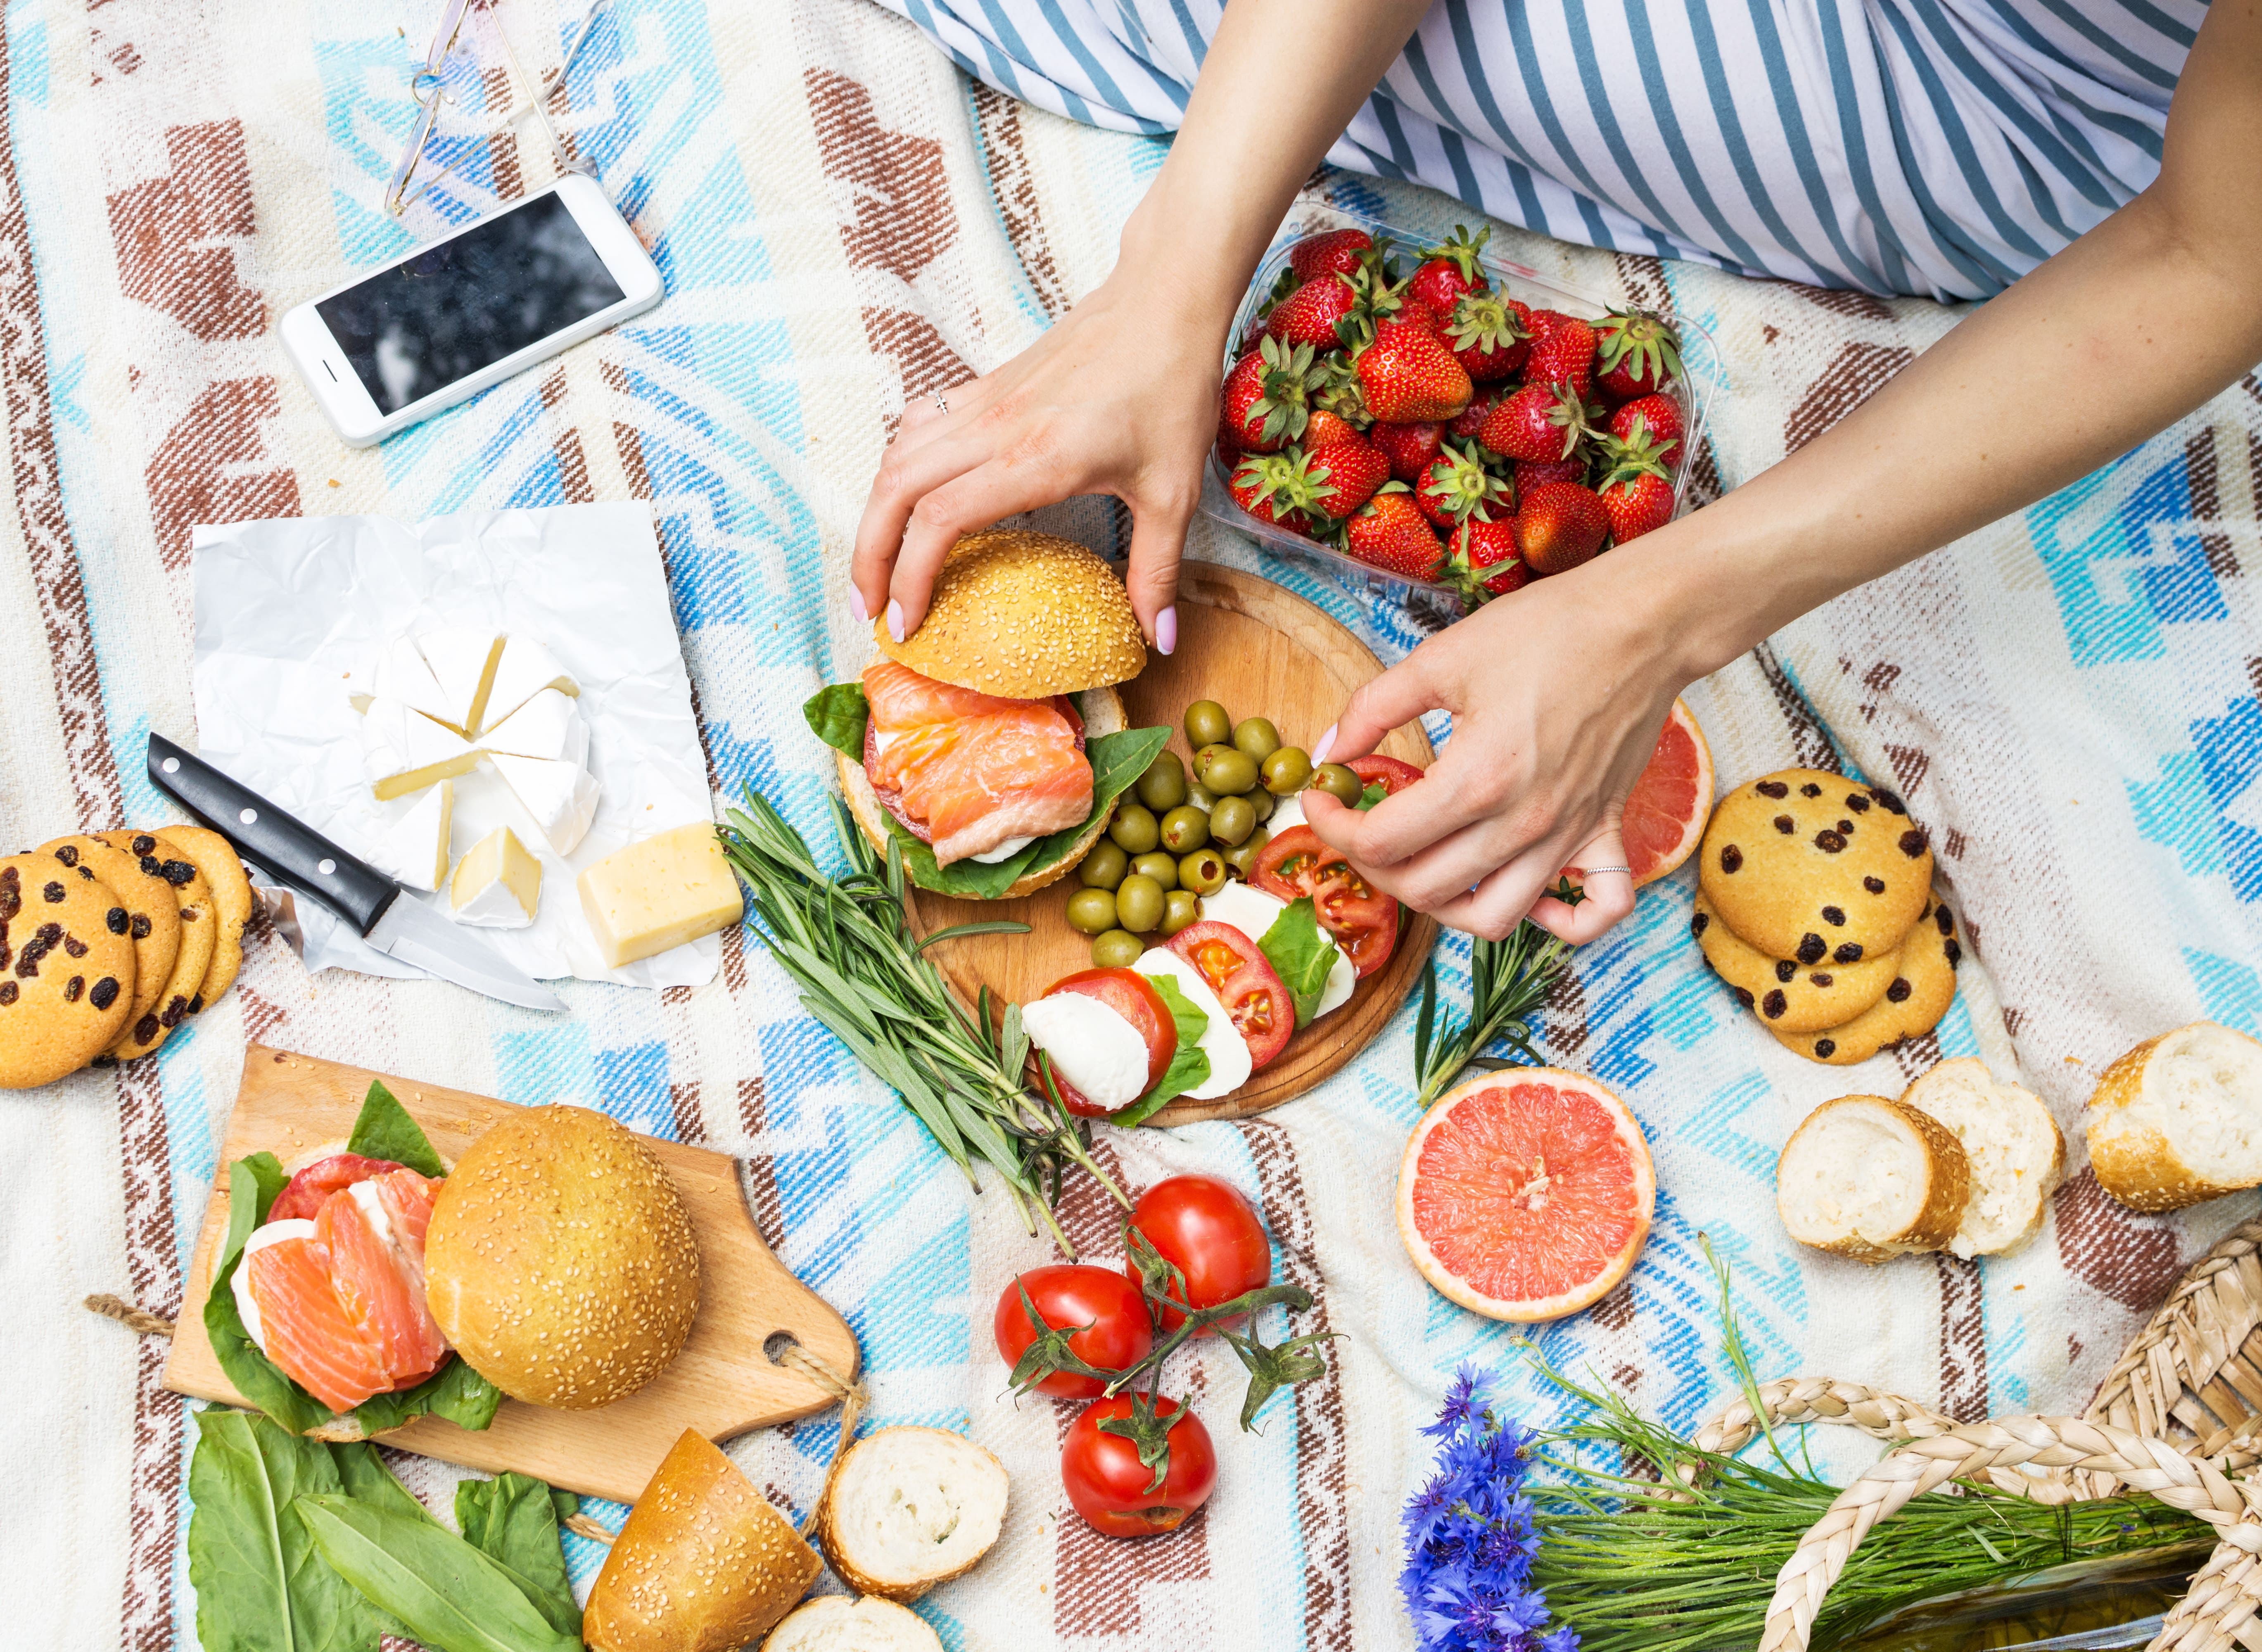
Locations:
{"points": [[721, 1384], [1259, 651]]}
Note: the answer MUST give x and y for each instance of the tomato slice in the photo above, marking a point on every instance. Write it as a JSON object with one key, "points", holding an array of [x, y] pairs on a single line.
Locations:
{"points": [[1244, 981], [1124, 992], [1362, 920], [308, 1191], [1393, 775]]}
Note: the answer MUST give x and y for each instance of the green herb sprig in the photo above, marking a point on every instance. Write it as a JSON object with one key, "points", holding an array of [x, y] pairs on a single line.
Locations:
{"points": [[1508, 980]]}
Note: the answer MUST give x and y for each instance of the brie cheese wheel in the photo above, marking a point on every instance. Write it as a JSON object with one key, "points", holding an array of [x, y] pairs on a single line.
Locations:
{"points": [[1254, 913], [1229, 1064], [463, 659], [561, 798], [546, 725], [1091, 1046], [401, 674], [1005, 851], [525, 670], [406, 751], [414, 849], [246, 1307], [498, 885]]}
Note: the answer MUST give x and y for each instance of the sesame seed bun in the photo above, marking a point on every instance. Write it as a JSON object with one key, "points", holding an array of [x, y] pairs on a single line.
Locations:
{"points": [[560, 1262], [704, 1562], [1023, 616]]}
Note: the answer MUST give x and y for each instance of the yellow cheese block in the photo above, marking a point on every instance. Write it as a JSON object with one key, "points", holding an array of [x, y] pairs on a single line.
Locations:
{"points": [[669, 888]]}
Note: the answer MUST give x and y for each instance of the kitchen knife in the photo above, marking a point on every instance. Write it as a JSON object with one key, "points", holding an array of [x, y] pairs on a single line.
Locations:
{"points": [[373, 904]]}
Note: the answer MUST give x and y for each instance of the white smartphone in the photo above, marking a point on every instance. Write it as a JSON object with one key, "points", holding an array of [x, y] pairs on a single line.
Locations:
{"points": [[467, 311]]}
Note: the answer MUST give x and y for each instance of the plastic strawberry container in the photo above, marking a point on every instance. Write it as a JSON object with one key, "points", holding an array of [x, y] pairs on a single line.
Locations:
{"points": [[1700, 382]]}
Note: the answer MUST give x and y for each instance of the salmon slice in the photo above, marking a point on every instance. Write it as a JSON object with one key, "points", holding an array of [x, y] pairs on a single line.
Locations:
{"points": [[378, 1288], [407, 1198], [307, 1331], [967, 770]]}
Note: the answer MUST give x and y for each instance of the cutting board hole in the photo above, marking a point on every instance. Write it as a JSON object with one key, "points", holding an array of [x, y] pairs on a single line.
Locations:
{"points": [[776, 1343]]}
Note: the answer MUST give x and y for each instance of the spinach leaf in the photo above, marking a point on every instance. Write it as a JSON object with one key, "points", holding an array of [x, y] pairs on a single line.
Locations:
{"points": [[514, 1521], [260, 1585], [1375, 792], [253, 1184], [362, 1475], [455, 1392], [1189, 1066], [448, 1594], [385, 1130], [1300, 955], [566, 1505], [838, 715]]}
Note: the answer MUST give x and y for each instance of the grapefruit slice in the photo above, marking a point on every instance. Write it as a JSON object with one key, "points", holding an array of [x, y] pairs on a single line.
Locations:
{"points": [[1527, 1195], [1666, 810]]}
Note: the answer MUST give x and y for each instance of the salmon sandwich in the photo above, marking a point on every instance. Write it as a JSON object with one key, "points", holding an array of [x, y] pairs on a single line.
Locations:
{"points": [[990, 746]]}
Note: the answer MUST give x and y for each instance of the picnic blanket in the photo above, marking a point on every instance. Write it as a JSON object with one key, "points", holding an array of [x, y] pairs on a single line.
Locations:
{"points": [[2070, 701]]}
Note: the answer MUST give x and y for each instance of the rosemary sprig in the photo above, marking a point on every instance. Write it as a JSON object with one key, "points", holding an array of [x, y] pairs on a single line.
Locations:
{"points": [[849, 944], [1509, 981]]}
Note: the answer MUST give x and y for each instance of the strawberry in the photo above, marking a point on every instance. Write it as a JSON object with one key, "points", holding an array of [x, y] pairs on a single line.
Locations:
{"points": [[1413, 311], [1338, 392], [1530, 473], [1660, 416], [1323, 429], [1276, 488], [1638, 355], [1559, 526], [1487, 335], [1479, 545], [1539, 422], [1263, 406], [1562, 351], [1635, 493], [1456, 487], [1450, 272], [1408, 447], [1389, 532], [1470, 425], [1336, 252], [1346, 474], [1409, 374], [1308, 315]]}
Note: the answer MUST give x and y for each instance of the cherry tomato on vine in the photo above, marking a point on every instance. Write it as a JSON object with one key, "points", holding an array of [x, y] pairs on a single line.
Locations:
{"points": [[1120, 1495], [1117, 1332], [1204, 1227]]}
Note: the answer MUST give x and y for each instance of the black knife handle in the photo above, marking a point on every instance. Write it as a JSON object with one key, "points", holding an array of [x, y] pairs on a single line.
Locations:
{"points": [[285, 845]]}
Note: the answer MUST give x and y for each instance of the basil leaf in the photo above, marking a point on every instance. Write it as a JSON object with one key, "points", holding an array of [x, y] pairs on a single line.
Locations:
{"points": [[1300, 954], [1375, 792], [253, 1184], [385, 1130], [260, 1585], [837, 715], [514, 1521], [454, 1391], [448, 1594], [1189, 1064]]}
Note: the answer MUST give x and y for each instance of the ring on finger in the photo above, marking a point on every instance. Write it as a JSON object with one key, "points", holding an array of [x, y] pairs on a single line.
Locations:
{"points": [[940, 406], [1596, 871]]}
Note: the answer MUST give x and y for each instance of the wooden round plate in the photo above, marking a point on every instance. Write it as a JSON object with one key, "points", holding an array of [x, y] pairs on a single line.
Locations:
{"points": [[1259, 651]]}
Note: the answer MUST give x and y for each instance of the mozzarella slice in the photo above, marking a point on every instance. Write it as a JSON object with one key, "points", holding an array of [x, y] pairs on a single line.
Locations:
{"points": [[525, 670], [546, 727], [1229, 1064], [561, 797], [416, 848], [498, 885], [1289, 811], [1254, 913], [1092, 1046], [246, 1310], [1342, 980], [401, 674], [463, 659], [406, 751], [1005, 851]]}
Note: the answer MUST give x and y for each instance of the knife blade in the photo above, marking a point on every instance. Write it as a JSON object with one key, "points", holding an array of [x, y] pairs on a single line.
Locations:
{"points": [[365, 898]]}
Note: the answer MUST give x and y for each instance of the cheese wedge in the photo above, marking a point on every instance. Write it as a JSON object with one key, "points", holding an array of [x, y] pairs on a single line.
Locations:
{"points": [[463, 659], [561, 798], [546, 726], [401, 674], [660, 893], [526, 669], [406, 751], [416, 848], [498, 885]]}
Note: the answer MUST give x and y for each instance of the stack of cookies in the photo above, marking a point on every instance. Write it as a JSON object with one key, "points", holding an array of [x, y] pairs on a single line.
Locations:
{"points": [[1815, 904], [111, 940]]}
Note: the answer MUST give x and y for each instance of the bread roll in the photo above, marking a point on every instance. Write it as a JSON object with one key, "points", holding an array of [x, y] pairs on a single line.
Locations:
{"points": [[1023, 616], [2013, 1145], [833, 1623], [1872, 1178], [908, 1508], [703, 1563], [2179, 1118]]}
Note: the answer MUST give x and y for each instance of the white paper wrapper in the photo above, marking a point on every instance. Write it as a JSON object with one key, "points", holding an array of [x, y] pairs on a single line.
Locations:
{"points": [[286, 609]]}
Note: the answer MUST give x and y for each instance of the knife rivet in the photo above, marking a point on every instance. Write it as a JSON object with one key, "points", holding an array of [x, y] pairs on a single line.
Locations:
{"points": [[247, 816], [326, 867], [171, 765]]}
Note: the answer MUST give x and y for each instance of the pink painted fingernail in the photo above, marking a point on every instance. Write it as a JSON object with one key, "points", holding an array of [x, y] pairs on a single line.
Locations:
{"points": [[895, 620], [863, 615], [1166, 630], [1322, 745]]}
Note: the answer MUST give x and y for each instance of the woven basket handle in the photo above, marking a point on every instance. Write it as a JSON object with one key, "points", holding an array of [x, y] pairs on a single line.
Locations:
{"points": [[1792, 1401]]}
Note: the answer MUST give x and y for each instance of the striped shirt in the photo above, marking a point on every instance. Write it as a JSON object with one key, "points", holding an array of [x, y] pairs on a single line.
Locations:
{"points": [[1939, 147]]}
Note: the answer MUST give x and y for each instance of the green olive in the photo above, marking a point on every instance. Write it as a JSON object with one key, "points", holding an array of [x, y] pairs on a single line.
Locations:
{"points": [[1180, 907], [1163, 868], [1135, 831], [1138, 903], [1286, 770], [1203, 872], [1199, 797], [1163, 786], [1204, 756], [1091, 912], [1231, 773], [1184, 828], [1338, 782], [1117, 950], [1242, 857], [1207, 724], [1256, 737], [1232, 820], [1104, 867], [1263, 803]]}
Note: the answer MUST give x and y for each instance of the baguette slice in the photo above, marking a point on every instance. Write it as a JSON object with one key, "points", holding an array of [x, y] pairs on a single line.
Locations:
{"points": [[833, 1623], [2179, 1118], [1872, 1178], [2014, 1147], [909, 1508]]}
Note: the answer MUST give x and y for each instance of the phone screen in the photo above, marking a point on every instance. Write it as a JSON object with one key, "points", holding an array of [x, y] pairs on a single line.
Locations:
{"points": [[507, 282]]}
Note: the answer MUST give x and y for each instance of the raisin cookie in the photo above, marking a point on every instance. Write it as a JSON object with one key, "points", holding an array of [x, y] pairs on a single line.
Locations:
{"points": [[1807, 865], [66, 969], [231, 892], [152, 911], [199, 931], [1791, 997], [1912, 1004]]}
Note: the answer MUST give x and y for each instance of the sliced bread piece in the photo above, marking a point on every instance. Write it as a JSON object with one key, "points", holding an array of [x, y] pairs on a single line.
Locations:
{"points": [[834, 1623], [2014, 1147], [2179, 1118], [1872, 1178], [908, 1508]]}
